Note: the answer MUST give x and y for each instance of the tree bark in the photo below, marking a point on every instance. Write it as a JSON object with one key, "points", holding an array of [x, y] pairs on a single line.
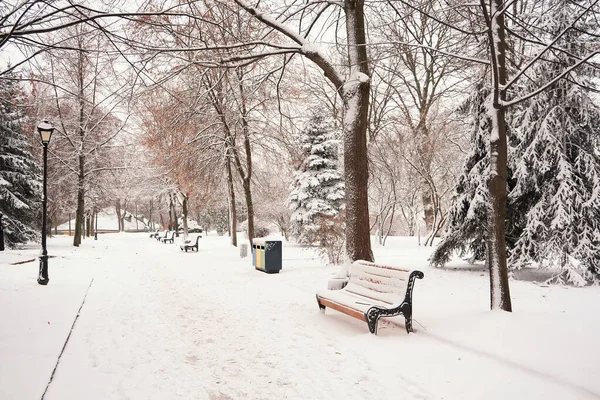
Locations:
{"points": [[355, 96], [88, 225], [425, 151], [119, 218], [184, 211], [231, 195], [81, 172], [79, 215], [174, 211], [496, 243], [247, 175]]}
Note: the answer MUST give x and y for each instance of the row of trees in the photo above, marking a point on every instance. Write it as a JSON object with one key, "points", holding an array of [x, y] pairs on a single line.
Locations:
{"points": [[216, 96]]}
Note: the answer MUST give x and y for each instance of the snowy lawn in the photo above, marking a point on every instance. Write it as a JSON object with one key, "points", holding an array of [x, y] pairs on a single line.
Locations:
{"points": [[158, 323]]}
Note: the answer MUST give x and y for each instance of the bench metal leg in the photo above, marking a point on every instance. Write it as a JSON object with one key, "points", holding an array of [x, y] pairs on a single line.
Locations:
{"points": [[408, 323], [372, 317], [321, 306]]}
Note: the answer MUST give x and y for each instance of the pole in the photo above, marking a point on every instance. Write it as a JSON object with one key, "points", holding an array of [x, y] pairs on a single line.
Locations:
{"points": [[1, 234], [43, 276], [96, 228]]}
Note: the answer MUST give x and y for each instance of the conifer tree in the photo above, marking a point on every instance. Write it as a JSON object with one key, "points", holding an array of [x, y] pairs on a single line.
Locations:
{"points": [[466, 229], [20, 188], [317, 191], [556, 163]]}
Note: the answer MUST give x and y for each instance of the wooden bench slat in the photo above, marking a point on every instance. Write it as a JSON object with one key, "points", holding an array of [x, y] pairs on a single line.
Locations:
{"points": [[381, 266], [380, 284], [359, 269], [344, 309], [364, 293]]}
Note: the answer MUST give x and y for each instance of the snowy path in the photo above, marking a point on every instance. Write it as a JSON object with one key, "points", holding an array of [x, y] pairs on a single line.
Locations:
{"points": [[161, 324]]}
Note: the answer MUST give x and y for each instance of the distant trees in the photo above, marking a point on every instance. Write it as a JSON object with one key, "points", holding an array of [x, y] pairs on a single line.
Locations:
{"points": [[20, 180], [84, 95]]}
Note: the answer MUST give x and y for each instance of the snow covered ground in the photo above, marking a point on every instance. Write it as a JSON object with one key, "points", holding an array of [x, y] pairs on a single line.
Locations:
{"points": [[161, 324]]}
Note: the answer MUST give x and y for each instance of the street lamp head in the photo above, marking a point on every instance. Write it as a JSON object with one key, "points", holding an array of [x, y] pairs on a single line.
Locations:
{"points": [[45, 129]]}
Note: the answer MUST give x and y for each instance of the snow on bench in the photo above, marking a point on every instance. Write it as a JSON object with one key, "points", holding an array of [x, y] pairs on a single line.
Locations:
{"points": [[168, 239], [373, 291], [189, 246]]}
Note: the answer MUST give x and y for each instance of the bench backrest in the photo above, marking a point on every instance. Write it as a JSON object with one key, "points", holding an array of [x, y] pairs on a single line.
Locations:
{"points": [[378, 282]]}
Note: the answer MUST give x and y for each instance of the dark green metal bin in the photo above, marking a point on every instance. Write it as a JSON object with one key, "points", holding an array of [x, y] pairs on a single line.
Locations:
{"points": [[266, 255]]}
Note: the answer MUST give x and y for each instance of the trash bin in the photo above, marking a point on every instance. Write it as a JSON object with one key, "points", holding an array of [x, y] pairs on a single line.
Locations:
{"points": [[266, 255], [243, 250]]}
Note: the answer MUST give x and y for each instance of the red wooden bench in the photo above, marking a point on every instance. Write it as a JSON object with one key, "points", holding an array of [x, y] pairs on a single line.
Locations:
{"points": [[373, 291]]}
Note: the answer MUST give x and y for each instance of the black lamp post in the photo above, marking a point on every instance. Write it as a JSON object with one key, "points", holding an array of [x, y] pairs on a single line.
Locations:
{"points": [[45, 129]]}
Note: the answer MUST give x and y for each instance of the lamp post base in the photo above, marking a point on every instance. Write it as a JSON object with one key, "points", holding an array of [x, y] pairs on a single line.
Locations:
{"points": [[43, 275]]}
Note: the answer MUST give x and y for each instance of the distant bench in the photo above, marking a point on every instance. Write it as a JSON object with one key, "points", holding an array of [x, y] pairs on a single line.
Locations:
{"points": [[167, 238], [373, 291], [188, 246], [159, 237]]}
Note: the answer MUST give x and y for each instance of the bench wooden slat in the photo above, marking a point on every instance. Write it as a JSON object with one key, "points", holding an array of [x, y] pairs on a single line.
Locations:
{"points": [[379, 266], [359, 269], [387, 298], [344, 309], [380, 283]]}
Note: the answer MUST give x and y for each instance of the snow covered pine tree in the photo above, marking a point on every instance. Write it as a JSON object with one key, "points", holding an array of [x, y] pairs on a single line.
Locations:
{"points": [[317, 191], [20, 187], [466, 229], [556, 162]]}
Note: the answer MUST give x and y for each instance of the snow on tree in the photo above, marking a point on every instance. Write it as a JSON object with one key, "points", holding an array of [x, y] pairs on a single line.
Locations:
{"points": [[317, 191], [466, 229], [20, 187], [556, 164]]}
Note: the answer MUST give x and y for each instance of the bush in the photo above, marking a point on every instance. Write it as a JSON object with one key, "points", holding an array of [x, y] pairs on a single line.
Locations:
{"points": [[260, 228], [332, 241]]}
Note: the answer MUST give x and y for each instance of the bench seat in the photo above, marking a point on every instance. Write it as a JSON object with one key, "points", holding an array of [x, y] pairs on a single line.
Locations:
{"points": [[373, 291]]}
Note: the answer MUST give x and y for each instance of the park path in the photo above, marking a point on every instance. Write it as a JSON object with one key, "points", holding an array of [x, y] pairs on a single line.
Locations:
{"points": [[158, 323]]}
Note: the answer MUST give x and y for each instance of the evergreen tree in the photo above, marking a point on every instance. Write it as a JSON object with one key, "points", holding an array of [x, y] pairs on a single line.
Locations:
{"points": [[466, 228], [20, 187], [556, 163], [553, 210], [317, 191]]}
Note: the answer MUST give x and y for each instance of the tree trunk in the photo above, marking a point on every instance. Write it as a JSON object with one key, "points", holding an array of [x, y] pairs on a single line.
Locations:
{"points": [[184, 211], [355, 95], [496, 243], [231, 194], [171, 213], [79, 215], [150, 223], [247, 176], [118, 212], [93, 226], [175, 220], [88, 225], [250, 207], [425, 153], [81, 173]]}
